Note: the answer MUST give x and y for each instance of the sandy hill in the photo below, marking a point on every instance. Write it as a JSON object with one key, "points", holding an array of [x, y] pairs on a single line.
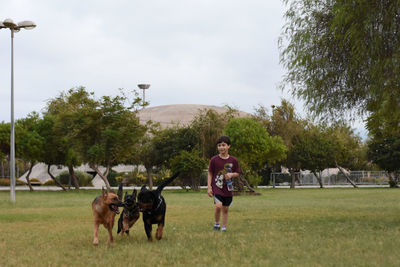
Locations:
{"points": [[182, 114]]}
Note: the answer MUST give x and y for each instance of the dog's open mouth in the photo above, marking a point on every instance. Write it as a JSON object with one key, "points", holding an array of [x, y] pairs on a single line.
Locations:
{"points": [[114, 208]]}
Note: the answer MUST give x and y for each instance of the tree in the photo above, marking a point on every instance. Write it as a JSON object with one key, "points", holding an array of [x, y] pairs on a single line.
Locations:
{"points": [[190, 166], [283, 122], [52, 153], [67, 109], [4, 144], [208, 125], [384, 150], [313, 150], [170, 142], [342, 56], [108, 134], [349, 151], [252, 144], [146, 154], [29, 143]]}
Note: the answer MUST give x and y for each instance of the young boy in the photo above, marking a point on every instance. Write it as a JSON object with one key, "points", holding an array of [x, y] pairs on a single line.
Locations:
{"points": [[223, 167]]}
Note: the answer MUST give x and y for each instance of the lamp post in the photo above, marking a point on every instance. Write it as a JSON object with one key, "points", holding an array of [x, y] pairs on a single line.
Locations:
{"points": [[143, 86], [28, 25]]}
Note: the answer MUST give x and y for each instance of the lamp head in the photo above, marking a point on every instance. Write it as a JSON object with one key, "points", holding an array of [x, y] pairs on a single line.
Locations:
{"points": [[27, 24], [143, 86], [9, 23]]}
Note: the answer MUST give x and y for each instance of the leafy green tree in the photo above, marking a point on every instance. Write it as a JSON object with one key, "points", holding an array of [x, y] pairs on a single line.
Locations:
{"points": [[190, 165], [67, 109], [252, 144], [283, 122], [208, 125], [108, 134], [314, 151], [146, 154], [384, 150], [52, 153], [343, 55], [170, 142], [29, 143], [4, 144], [349, 149]]}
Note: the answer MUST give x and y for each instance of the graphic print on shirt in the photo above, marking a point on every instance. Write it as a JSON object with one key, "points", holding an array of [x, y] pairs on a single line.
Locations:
{"points": [[219, 179]]}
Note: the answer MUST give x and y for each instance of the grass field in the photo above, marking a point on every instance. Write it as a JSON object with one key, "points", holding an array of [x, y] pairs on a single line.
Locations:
{"points": [[282, 227]]}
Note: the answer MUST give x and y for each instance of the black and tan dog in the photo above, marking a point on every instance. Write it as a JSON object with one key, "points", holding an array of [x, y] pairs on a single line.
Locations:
{"points": [[105, 207], [130, 214], [153, 206]]}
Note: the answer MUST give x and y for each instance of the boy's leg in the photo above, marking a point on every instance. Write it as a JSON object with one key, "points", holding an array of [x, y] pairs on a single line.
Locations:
{"points": [[217, 213], [225, 210]]}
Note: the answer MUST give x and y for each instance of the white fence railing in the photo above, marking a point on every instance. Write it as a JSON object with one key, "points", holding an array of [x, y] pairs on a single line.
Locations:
{"points": [[358, 177]]}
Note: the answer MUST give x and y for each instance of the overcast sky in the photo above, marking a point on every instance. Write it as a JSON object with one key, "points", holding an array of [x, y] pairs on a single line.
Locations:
{"points": [[191, 51]]}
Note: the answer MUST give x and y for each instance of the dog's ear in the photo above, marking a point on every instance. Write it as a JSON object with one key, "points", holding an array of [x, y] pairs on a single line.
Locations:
{"points": [[143, 188], [120, 192], [134, 193]]}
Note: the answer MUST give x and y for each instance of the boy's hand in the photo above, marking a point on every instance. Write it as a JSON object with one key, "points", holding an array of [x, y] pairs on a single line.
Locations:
{"points": [[210, 192], [228, 176]]}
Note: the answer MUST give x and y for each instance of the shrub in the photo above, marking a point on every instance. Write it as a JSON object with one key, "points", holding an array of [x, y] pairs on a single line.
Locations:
{"points": [[84, 178], [19, 182], [4, 182], [63, 177], [253, 179], [49, 183], [190, 165], [393, 184], [112, 175]]}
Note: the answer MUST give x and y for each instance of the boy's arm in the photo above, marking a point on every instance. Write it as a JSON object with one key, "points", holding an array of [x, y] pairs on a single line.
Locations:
{"points": [[231, 175], [209, 188]]}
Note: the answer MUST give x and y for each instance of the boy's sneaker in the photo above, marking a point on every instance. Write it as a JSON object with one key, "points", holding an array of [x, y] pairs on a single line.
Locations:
{"points": [[223, 229], [216, 227]]}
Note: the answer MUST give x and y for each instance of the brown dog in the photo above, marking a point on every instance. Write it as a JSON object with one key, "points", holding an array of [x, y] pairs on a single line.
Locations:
{"points": [[105, 207]]}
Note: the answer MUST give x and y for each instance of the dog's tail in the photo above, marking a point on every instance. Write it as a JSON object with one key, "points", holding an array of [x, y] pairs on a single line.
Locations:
{"points": [[166, 182]]}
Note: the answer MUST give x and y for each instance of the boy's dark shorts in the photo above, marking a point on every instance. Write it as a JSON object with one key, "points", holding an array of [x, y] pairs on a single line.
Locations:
{"points": [[226, 201]]}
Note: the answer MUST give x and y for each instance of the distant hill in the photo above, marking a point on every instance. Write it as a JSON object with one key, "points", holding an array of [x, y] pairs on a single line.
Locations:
{"points": [[182, 114]]}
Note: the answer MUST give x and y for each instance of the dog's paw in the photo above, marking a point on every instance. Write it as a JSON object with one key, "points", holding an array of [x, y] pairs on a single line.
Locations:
{"points": [[95, 242]]}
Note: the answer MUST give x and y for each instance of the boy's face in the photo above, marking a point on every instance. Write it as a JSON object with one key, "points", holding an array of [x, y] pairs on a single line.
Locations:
{"points": [[223, 148]]}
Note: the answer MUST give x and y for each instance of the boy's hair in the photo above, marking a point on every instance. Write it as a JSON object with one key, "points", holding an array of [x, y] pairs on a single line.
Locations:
{"points": [[224, 139]]}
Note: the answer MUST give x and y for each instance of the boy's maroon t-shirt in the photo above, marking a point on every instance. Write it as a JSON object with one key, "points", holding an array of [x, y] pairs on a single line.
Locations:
{"points": [[218, 167]]}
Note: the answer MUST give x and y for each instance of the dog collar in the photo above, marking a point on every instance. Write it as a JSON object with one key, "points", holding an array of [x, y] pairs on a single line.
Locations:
{"points": [[159, 203]]}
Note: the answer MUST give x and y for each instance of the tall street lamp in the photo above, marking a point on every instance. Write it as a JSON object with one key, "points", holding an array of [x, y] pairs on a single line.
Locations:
{"points": [[143, 86], [28, 25]]}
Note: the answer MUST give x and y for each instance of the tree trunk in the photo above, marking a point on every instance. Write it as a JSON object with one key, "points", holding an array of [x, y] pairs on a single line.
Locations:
{"points": [[393, 179], [149, 178], [54, 179], [195, 183], [298, 177], [247, 184], [73, 176], [2, 168], [321, 185], [103, 176], [346, 175], [293, 175], [27, 177]]}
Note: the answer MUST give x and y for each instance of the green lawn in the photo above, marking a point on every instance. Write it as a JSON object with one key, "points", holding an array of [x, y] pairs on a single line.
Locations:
{"points": [[282, 227]]}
